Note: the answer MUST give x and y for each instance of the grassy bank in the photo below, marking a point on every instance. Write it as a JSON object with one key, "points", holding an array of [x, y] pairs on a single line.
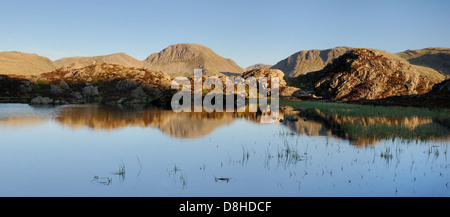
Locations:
{"points": [[354, 110], [364, 124]]}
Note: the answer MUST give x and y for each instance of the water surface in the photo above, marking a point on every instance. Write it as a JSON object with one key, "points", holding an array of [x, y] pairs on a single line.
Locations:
{"points": [[93, 150]]}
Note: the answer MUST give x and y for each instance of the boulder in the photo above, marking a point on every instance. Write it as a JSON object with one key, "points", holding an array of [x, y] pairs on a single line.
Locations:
{"points": [[39, 100], [90, 91], [63, 85], [54, 89]]}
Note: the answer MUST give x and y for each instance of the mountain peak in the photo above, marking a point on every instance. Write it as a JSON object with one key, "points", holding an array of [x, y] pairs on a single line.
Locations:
{"points": [[182, 59]]}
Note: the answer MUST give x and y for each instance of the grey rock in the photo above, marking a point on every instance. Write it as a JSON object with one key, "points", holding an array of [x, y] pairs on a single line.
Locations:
{"points": [[63, 85]]}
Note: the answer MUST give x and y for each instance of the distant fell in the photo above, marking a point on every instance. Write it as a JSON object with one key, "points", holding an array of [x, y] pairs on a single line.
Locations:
{"points": [[436, 58], [18, 63], [182, 59], [258, 65], [306, 61], [117, 58]]}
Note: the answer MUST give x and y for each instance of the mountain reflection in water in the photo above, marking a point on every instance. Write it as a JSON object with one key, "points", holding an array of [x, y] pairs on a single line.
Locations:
{"points": [[359, 130]]}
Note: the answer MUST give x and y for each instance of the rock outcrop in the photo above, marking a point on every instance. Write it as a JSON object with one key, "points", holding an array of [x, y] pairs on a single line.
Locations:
{"points": [[119, 75], [363, 74], [106, 83], [268, 73]]}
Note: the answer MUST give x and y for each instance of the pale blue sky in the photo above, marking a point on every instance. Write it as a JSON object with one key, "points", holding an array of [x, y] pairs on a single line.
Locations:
{"points": [[246, 31]]}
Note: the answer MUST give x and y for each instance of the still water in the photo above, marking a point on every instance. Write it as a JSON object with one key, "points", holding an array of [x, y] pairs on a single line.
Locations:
{"points": [[92, 150]]}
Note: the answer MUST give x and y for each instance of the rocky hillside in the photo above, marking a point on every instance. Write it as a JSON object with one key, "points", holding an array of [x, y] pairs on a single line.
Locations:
{"points": [[17, 63], [117, 58], [308, 61], [363, 74], [268, 73], [258, 65], [101, 83], [182, 59], [435, 58]]}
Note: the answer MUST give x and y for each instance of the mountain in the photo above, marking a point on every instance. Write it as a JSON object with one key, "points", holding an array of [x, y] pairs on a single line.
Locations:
{"points": [[258, 65], [365, 74], [308, 61], [182, 59], [17, 63], [433, 57], [117, 58]]}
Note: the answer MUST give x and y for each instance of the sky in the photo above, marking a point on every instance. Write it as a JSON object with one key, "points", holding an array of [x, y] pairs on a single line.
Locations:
{"points": [[246, 31]]}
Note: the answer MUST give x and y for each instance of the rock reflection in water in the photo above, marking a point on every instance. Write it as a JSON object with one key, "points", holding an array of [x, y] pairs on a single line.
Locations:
{"points": [[359, 130]]}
